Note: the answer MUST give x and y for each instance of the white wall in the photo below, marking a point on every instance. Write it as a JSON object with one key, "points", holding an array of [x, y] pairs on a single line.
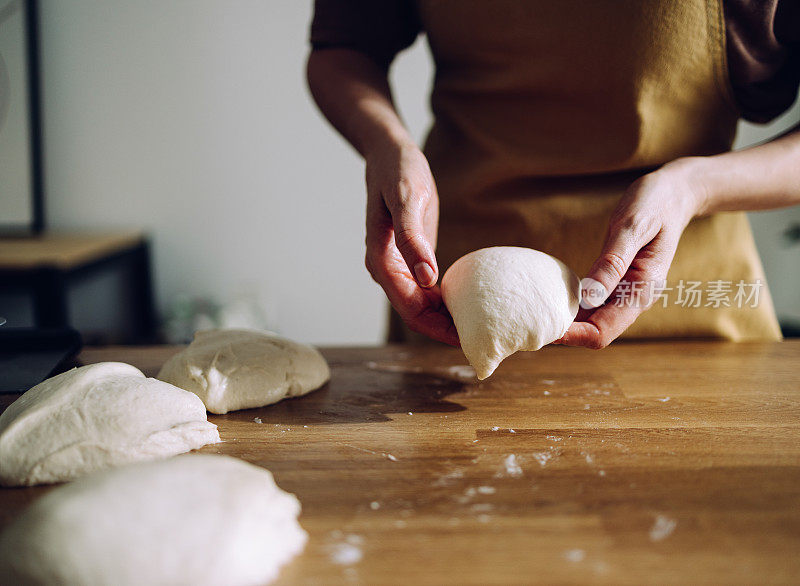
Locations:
{"points": [[190, 118]]}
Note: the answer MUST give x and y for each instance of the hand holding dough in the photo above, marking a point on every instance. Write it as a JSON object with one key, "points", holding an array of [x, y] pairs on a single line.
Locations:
{"points": [[504, 299], [96, 417], [241, 369]]}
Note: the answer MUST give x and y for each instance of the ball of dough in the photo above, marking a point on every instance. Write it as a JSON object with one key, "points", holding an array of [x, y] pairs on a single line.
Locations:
{"points": [[195, 520], [504, 299], [241, 369], [96, 417]]}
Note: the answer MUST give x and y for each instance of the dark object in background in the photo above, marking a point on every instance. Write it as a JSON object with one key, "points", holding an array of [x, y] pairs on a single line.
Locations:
{"points": [[21, 201], [792, 235], [30, 355], [49, 268]]}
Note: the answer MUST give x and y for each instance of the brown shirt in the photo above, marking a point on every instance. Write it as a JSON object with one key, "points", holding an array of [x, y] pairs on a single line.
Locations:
{"points": [[762, 37]]}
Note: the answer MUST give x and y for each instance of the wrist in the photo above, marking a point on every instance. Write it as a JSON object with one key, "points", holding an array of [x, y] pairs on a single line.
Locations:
{"points": [[390, 146], [386, 138], [691, 173]]}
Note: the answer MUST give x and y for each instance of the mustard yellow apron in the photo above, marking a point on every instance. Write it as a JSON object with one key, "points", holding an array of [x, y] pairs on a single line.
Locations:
{"points": [[546, 111]]}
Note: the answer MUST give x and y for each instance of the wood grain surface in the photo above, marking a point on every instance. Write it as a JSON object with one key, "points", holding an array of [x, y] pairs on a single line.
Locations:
{"points": [[639, 463], [63, 250]]}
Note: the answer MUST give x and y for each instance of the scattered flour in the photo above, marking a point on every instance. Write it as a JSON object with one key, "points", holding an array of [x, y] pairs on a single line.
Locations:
{"points": [[574, 555], [461, 371], [374, 505], [449, 477], [392, 367], [365, 450], [346, 552], [547, 381], [486, 490], [543, 458], [512, 467], [553, 438], [468, 495], [662, 528], [257, 420], [664, 400]]}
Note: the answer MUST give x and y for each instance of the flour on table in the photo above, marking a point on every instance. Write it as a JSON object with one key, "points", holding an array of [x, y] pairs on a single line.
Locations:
{"points": [[574, 555], [461, 371], [543, 458], [511, 466], [662, 528], [347, 550]]}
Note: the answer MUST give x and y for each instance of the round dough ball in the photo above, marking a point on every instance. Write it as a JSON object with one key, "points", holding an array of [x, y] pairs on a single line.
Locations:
{"points": [[241, 369], [195, 520], [96, 417], [504, 299]]}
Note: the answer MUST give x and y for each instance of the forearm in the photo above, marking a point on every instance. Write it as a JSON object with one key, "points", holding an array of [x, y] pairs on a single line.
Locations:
{"points": [[353, 93], [758, 178]]}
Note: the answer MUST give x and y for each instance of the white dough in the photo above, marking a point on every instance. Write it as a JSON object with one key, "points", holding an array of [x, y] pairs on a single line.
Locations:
{"points": [[96, 417], [504, 299], [241, 369], [196, 520]]}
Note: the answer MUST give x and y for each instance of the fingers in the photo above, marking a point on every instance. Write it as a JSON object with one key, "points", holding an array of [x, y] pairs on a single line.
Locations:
{"points": [[622, 244], [408, 211], [633, 295], [581, 333], [402, 218], [601, 328], [422, 309]]}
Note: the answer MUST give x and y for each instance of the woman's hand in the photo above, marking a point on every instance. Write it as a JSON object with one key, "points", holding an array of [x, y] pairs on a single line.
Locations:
{"points": [[640, 244], [402, 219]]}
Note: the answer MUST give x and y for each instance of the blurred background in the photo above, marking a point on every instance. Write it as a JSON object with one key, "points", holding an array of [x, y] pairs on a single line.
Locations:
{"points": [[190, 120]]}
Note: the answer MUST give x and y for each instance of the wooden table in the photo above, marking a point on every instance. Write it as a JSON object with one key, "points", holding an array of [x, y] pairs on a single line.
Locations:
{"points": [[47, 265], [640, 463]]}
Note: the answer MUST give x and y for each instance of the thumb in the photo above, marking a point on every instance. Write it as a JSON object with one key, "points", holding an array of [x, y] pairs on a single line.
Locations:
{"points": [[409, 236], [610, 267]]}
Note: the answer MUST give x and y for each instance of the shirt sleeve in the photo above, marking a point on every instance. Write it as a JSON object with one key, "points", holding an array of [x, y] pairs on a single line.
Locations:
{"points": [[763, 50], [377, 28]]}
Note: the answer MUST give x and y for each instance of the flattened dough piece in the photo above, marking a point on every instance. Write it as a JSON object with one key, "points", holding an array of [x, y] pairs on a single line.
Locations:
{"points": [[196, 520], [504, 299], [96, 417], [241, 369]]}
